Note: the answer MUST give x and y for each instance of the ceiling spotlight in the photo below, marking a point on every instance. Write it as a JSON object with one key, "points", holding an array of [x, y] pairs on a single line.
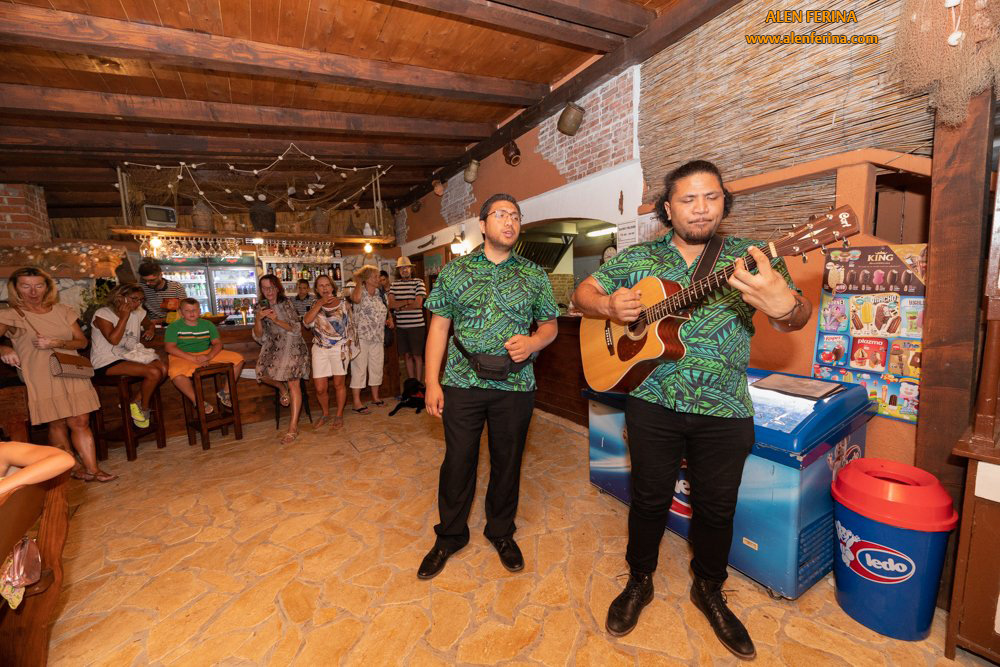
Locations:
{"points": [[471, 171], [368, 248], [261, 196]]}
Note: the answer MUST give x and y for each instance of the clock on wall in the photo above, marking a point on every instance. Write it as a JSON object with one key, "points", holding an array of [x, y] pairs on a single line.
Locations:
{"points": [[608, 253]]}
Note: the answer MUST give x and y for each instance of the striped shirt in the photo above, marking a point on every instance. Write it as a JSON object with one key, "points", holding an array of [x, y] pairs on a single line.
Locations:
{"points": [[302, 306], [193, 339], [154, 297], [408, 290]]}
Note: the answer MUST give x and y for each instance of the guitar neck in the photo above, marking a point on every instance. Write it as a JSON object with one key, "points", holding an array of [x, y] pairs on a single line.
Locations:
{"points": [[689, 296]]}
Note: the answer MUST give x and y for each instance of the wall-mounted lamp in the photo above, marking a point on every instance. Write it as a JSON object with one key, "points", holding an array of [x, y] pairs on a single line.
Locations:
{"points": [[416, 206], [438, 187], [458, 243], [368, 248], [511, 154], [570, 119], [471, 171]]}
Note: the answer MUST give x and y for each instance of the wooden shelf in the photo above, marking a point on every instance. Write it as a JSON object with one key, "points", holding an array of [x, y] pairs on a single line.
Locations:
{"points": [[191, 233]]}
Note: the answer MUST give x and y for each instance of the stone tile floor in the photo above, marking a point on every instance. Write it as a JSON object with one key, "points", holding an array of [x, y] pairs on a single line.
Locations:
{"points": [[253, 553]]}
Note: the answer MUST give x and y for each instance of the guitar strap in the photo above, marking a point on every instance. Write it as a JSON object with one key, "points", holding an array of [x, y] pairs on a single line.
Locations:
{"points": [[709, 256]]}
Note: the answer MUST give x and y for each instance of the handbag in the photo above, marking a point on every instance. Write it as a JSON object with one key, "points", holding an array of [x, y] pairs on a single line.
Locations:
{"points": [[63, 364], [22, 568]]}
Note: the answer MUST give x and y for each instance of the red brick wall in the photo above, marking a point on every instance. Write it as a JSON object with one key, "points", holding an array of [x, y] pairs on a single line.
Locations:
{"points": [[23, 214], [605, 136]]}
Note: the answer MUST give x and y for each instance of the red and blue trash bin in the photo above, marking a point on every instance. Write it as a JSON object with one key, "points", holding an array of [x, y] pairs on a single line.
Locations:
{"points": [[892, 523]]}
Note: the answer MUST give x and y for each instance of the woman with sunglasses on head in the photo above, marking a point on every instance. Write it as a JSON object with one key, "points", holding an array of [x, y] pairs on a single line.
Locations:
{"points": [[116, 348], [38, 326]]}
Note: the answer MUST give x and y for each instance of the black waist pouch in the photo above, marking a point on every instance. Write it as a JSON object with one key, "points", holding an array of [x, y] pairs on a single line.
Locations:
{"points": [[492, 366]]}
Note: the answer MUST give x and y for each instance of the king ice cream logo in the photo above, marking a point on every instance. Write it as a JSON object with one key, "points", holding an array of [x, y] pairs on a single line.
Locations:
{"points": [[872, 561]]}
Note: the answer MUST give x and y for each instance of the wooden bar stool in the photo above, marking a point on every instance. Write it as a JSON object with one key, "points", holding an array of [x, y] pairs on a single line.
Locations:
{"points": [[126, 431], [278, 405], [195, 419]]}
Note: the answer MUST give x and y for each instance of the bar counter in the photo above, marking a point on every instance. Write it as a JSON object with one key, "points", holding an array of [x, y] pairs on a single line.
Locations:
{"points": [[559, 374]]}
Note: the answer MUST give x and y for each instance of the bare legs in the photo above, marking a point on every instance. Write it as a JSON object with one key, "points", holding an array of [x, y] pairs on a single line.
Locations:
{"points": [[77, 430], [152, 375], [414, 366], [323, 394]]}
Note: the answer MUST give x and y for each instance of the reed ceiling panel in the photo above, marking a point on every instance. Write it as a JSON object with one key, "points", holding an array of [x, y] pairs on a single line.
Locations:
{"points": [[754, 109]]}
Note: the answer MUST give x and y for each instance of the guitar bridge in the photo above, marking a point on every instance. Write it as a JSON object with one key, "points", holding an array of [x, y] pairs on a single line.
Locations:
{"points": [[608, 338]]}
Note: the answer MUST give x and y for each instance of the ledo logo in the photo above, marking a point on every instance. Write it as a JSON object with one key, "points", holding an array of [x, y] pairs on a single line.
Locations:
{"points": [[681, 502], [872, 561]]}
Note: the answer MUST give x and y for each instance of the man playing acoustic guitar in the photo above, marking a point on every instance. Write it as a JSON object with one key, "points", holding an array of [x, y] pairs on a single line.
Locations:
{"points": [[697, 407]]}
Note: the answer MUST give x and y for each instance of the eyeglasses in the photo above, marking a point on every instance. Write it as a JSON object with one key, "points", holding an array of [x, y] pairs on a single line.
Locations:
{"points": [[137, 299], [502, 215]]}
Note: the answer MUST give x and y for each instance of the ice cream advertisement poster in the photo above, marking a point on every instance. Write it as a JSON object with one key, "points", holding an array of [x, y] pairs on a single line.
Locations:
{"points": [[870, 323]]}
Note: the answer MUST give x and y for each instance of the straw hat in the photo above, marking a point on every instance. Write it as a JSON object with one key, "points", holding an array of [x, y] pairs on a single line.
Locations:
{"points": [[403, 261]]}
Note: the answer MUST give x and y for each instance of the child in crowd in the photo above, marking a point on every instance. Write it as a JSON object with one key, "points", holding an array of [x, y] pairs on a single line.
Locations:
{"points": [[192, 343]]}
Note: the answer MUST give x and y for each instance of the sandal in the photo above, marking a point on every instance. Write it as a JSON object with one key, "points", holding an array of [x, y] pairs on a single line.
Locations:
{"points": [[378, 404], [289, 437], [209, 408], [337, 422], [99, 476], [225, 398], [321, 422], [363, 410], [283, 397]]}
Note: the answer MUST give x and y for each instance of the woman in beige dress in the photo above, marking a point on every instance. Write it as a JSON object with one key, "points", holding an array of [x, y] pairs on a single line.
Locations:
{"points": [[44, 326]]}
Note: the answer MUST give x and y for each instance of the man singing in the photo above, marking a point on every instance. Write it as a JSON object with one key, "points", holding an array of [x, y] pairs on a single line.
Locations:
{"points": [[697, 408]]}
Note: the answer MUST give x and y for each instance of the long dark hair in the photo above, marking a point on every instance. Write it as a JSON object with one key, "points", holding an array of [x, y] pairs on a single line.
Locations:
{"points": [[277, 282], [683, 171]]}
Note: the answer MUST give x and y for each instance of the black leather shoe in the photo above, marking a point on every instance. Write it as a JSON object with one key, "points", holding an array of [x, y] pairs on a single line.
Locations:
{"points": [[510, 554], [708, 597], [434, 561], [624, 611]]}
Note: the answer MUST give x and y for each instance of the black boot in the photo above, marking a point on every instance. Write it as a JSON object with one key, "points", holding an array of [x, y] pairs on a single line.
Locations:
{"points": [[708, 597], [624, 611]]}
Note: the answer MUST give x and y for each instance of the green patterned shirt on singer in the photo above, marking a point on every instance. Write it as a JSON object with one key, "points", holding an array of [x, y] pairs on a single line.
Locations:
{"points": [[710, 379], [488, 303]]}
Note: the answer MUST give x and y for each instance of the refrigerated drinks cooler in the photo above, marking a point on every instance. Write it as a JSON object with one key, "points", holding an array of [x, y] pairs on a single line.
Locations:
{"points": [[222, 286], [783, 533]]}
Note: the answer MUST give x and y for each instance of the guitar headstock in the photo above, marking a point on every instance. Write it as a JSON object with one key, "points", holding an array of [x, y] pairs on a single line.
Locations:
{"points": [[830, 227]]}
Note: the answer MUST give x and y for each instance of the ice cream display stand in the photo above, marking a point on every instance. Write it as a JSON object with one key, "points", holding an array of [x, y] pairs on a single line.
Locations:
{"points": [[783, 533]]}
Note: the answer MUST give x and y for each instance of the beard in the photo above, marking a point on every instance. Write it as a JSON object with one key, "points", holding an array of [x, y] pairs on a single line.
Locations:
{"points": [[696, 236], [498, 241]]}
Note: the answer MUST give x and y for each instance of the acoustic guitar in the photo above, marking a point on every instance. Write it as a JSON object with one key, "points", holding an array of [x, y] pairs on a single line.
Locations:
{"points": [[617, 357]]}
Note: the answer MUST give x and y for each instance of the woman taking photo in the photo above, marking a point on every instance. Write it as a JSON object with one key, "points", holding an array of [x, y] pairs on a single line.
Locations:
{"points": [[39, 326], [116, 346], [370, 313], [284, 356], [332, 349]]}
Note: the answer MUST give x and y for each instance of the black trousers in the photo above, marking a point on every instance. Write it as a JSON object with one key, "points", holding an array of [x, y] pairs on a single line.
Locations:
{"points": [[507, 415], [715, 449]]}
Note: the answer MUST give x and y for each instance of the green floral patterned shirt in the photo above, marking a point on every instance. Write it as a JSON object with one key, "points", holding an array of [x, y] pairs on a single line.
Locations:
{"points": [[488, 303], [710, 379]]}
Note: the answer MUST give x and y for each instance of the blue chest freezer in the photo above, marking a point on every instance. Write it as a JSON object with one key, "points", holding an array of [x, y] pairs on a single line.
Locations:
{"points": [[783, 534]]}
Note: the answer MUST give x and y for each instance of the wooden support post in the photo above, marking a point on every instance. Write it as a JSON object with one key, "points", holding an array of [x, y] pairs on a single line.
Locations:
{"points": [[856, 187], [960, 183]]}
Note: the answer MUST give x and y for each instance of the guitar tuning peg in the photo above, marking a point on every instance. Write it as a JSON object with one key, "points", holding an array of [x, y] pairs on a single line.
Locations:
{"points": [[822, 249], [805, 259], [846, 244]]}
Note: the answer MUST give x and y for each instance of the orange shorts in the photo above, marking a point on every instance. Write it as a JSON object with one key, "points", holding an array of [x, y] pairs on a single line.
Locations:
{"points": [[187, 368]]}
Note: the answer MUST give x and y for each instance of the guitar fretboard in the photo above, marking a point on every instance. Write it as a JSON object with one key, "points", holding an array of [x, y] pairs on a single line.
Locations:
{"points": [[696, 291]]}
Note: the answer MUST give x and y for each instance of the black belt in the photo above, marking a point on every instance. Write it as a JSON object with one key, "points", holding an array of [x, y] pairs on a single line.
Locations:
{"points": [[492, 366]]}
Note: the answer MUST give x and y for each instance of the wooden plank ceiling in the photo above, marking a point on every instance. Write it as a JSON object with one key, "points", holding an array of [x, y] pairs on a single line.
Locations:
{"points": [[422, 85]]}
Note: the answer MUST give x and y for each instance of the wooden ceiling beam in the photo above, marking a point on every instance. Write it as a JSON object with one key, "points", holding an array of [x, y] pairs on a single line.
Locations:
{"points": [[614, 16], [172, 111], [44, 175], [80, 33], [135, 144], [512, 19], [84, 211], [674, 23]]}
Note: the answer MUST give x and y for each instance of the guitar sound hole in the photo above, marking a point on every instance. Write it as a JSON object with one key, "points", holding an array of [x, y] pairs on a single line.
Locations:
{"points": [[635, 330]]}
